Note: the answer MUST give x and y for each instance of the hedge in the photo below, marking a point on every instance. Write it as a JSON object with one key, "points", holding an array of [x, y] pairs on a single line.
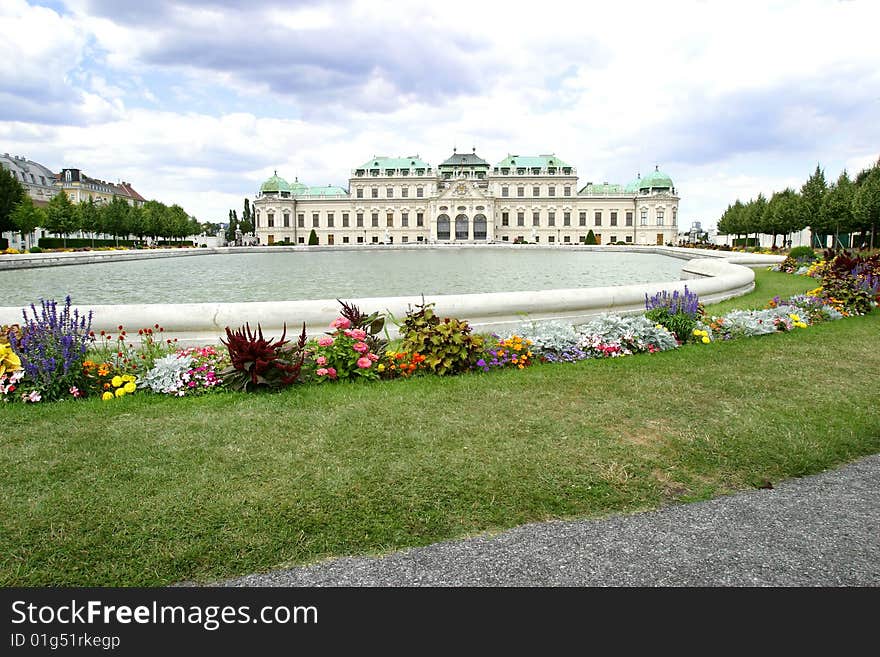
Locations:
{"points": [[78, 243]]}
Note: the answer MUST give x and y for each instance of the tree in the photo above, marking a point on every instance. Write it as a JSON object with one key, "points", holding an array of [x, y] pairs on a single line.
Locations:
{"points": [[209, 228], [812, 194], [89, 218], [12, 193], [233, 225], [836, 213], [61, 216], [116, 218], [590, 238], [26, 217], [247, 218], [866, 204], [783, 214], [313, 238]]}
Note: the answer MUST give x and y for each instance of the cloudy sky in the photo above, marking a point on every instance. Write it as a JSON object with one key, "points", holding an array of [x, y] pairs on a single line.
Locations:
{"points": [[198, 102]]}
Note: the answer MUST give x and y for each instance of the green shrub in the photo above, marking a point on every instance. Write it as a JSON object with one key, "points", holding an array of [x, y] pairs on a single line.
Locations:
{"points": [[590, 239], [448, 345], [313, 238], [35, 249], [803, 253]]}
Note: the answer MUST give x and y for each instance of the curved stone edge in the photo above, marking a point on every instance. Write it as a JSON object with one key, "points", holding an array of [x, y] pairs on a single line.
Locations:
{"points": [[713, 279]]}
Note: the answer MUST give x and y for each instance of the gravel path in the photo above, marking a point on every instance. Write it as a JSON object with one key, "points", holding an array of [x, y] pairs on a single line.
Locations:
{"points": [[822, 530]]}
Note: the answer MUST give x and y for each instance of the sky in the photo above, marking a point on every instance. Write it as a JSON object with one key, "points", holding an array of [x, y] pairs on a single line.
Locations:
{"points": [[198, 102]]}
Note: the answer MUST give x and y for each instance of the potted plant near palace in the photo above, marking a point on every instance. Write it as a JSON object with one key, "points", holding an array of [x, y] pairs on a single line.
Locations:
{"points": [[313, 238]]}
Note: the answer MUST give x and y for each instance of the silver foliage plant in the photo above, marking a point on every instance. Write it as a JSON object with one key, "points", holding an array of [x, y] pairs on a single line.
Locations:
{"points": [[632, 333], [168, 376], [552, 340]]}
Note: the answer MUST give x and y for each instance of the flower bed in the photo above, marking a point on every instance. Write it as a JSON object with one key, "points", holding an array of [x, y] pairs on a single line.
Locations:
{"points": [[53, 354]]}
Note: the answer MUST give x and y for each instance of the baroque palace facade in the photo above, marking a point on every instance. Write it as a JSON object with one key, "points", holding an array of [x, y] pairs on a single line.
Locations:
{"points": [[466, 200]]}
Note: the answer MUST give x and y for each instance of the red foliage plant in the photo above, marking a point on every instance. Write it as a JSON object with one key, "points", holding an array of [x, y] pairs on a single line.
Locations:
{"points": [[257, 362]]}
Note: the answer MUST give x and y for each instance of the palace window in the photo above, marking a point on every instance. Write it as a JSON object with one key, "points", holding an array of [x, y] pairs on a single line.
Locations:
{"points": [[566, 190], [359, 219], [536, 191], [420, 192], [404, 192], [315, 220], [536, 218], [629, 239], [505, 218], [359, 193], [660, 216], [345, 239], [566, 218], [374, 192], [420, 219], [329, 220], [505, 191], [389, 220], [360, 239], [629, 218], [301, 240], [404, 219], [301, 220], [287, 220], [566, 239], [520, 191], [389, 192], [374, 219], [613, 218], [550, 239], [613, 239], [644, 217], [520, 218], [404, 239], [597, 218], [551, 218], [270, 219], [674, 216], [551, 191], [582, 219], [345, 220], [375, 239]]}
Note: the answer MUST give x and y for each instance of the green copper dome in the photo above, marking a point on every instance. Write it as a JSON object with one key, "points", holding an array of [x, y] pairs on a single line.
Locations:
{"points": [[633, 186], [656, 180], [275, 184], [297, 188]]}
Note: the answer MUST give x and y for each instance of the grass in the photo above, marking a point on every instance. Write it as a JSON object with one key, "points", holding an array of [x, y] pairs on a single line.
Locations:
{"points": [[151, 490]]}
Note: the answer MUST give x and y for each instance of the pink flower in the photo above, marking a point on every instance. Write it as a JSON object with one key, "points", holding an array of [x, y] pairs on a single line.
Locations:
{"points": [[33, 396], [340, 323], [357, 334], [360, 347], [320, 360], [364, 362], [331, 372], [75, 392], [373, 357], [321, 371], [325, 341]]}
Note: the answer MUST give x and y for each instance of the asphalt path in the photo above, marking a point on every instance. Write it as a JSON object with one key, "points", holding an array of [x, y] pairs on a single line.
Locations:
{"points": [[822, 530]]}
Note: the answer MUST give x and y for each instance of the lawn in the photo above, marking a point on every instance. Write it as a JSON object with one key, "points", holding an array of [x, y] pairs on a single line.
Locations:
{"points": [[149, 490]]}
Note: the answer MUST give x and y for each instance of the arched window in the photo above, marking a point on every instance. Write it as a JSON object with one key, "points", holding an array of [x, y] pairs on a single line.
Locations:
{"points": [[461, 227], [443, 227], [480, 227]]}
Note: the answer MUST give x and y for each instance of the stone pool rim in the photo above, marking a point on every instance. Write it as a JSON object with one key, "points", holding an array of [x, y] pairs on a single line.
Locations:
{"points": [[714, 275]]}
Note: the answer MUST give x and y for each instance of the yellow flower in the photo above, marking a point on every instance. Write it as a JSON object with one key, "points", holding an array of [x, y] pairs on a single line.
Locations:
{"points": [[107, 396], [120, 392], [116, 381], [698, 332], [129, 387], [381, 367], [705, 340], [128, 377]]}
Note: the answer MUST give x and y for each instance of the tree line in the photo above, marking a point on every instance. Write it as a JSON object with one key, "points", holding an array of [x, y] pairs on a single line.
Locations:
{"points": [[153, 219], [844, 207], [245, 224]]}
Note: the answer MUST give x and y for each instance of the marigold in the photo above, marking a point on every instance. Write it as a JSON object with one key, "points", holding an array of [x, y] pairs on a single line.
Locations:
{"points": [[107, 396], [129, 387], [120, 392]]}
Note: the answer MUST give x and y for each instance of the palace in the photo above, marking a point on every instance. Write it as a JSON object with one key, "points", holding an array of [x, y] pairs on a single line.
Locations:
{"points": [[399, 200]]}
